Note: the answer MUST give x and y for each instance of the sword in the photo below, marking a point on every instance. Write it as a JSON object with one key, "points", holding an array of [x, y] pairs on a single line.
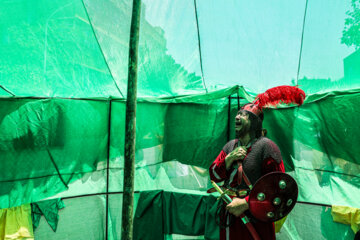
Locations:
{"points": [[223, 195], [243, 217]]}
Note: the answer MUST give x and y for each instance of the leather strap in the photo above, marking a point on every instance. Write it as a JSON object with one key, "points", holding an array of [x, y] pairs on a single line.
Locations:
{"points": [[242, 175], [250, 227], [244, 218]]}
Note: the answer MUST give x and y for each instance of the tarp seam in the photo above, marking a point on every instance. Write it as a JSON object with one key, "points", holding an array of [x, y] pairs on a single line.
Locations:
{"points": [[315, 204], [92, 28], [311, 98], [107, 172], [6, 90], [50, 175], [121, 192], [154, 164], [96, 194], [315, 169], [199, 45], [301, 43], [228, 123], [57, 169], [322, 170]]}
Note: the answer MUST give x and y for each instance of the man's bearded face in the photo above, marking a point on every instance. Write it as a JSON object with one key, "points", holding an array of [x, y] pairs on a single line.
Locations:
{"points": [[242, 123]]}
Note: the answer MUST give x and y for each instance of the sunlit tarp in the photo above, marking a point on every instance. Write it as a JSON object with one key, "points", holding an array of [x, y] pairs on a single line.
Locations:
{"points": [[63, 80]]}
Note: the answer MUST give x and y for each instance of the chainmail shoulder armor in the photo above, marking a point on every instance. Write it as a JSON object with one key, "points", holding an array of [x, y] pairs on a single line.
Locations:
{"points": [[268, 148], [230, 146]]}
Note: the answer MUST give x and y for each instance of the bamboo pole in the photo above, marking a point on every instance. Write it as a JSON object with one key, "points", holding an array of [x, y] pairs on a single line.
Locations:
{"points": [[130, 126]]}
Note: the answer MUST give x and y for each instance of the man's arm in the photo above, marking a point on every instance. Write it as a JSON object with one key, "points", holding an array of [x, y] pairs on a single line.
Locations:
{"points": [[219, 168], [270, 165], [238, 205], [238, 153]]}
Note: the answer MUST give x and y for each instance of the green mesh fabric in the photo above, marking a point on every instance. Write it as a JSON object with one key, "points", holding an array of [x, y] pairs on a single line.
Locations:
{"points": [[45, 144], [63, 80]]}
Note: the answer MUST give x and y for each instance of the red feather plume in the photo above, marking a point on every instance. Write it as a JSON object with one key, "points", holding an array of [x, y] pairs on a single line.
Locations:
{"points": [[280, 94]]}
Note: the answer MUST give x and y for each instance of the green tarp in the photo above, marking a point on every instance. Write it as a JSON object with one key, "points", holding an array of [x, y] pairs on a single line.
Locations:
{"points": [[63, 80]]}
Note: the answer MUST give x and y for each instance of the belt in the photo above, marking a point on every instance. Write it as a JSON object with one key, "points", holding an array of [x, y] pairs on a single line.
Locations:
{"points": [[243, 217], [239, 193]]}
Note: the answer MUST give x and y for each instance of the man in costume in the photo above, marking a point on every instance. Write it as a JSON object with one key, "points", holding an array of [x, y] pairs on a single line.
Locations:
{"points": [[244, 160]]}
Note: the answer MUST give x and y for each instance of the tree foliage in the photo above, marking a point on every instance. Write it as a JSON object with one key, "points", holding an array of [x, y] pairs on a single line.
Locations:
{"points": [[351, 32]]}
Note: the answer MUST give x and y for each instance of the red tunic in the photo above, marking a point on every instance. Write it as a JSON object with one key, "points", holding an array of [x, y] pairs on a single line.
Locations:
{"points": [[238, 230]]}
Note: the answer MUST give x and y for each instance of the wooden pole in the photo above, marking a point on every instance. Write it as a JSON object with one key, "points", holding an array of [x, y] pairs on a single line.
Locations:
{"points": [[130, 126]]}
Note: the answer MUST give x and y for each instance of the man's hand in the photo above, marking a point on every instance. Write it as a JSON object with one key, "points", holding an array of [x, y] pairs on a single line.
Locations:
{"points": [[237, 207], [238, 153]]}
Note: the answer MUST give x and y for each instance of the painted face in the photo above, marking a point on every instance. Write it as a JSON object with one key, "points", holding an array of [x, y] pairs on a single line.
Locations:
{"points": [[242, 123]]}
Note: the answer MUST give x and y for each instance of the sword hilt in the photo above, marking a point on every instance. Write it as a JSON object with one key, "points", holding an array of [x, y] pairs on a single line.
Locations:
{"points": [[223, 195], [243, 217]]}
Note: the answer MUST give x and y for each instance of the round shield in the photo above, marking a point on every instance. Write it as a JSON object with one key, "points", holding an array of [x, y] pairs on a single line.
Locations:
{"points": [[273, 196]]}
